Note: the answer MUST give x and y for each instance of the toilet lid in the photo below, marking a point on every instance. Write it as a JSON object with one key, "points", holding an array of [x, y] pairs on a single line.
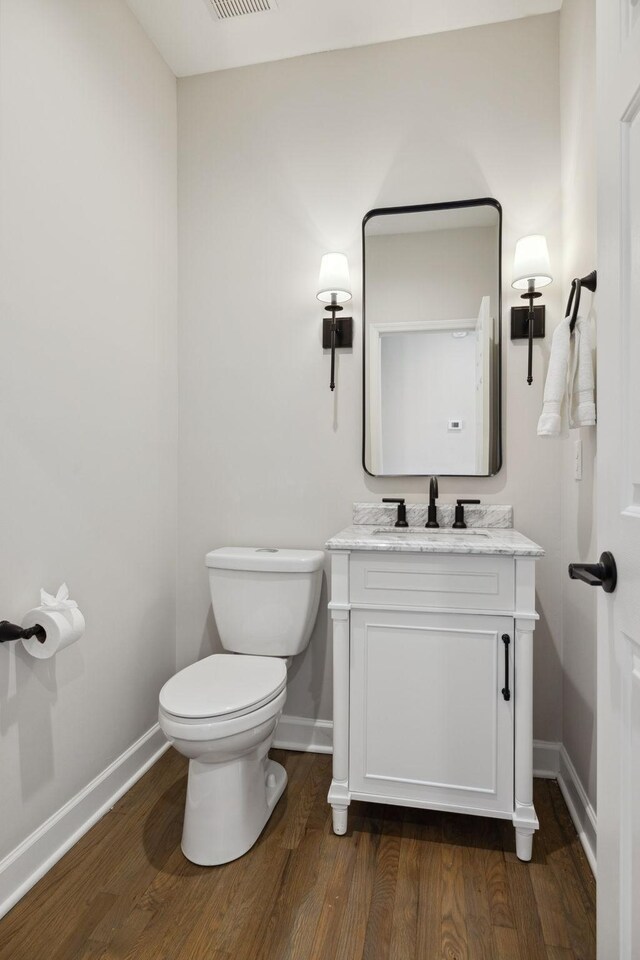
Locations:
{"points": [[222, 685]]}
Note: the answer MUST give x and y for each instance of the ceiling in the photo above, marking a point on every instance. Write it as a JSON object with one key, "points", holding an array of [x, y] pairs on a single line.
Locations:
{"points": [[192, 40]]}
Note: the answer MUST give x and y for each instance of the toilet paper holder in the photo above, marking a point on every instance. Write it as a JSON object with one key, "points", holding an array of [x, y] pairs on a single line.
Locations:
{"points": [[11, 631]]}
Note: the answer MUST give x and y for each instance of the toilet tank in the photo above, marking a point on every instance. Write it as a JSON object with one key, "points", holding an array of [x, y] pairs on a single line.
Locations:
{"points": [[265, 600]]}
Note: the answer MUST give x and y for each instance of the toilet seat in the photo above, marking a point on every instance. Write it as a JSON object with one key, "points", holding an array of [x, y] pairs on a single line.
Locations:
{"points": [[222, 687], [220, 728]]}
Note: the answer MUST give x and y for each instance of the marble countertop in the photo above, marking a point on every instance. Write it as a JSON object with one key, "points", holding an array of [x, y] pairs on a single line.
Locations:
{"points": [[488, 541]]}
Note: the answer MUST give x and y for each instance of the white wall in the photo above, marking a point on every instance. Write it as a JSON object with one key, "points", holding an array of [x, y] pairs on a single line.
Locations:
{"points": [[277, 164], [87, 391], [577, 87]]}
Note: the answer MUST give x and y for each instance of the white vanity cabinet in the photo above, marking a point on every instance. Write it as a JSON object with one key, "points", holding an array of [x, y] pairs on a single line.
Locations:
{"points": [[432, 659]]}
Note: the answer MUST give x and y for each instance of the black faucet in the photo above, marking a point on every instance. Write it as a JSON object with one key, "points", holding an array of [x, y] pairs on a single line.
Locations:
{"points": [[402, 510], [459, 522], [432, 520]]}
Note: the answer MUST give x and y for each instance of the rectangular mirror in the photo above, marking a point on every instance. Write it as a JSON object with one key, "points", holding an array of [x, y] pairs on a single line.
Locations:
{"points": [[431, 339]]}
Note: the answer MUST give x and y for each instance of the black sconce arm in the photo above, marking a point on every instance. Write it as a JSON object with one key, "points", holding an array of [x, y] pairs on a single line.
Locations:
{"points": [[336, 332]]}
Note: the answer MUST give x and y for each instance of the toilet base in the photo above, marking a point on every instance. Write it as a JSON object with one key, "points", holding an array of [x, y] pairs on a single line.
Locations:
{"points": [[228, 805]]}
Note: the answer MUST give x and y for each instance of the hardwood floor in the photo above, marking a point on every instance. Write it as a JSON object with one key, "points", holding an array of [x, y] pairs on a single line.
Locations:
{"points": [[402, 884]]}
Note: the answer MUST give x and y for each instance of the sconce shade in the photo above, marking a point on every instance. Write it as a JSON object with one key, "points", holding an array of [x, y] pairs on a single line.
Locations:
{"points": [[334, 278], [531, 262]]}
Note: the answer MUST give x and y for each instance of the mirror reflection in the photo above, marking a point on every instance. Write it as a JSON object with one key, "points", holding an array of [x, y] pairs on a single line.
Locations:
{"points": [[432, 339]]}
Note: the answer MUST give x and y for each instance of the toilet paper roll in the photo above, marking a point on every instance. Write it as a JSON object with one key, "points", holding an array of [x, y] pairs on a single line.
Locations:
{"points": [[63, 627]]}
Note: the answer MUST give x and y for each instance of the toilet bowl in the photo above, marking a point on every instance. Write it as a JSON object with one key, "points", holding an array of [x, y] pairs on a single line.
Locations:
{"points": [[221, 712]]}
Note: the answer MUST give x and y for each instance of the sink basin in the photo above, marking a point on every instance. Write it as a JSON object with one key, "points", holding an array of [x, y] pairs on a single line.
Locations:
{"points": [[425, 533]]}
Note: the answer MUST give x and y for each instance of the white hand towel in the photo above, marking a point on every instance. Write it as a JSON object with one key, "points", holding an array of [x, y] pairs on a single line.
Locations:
{"points": [[555, 388], [582, 407]]}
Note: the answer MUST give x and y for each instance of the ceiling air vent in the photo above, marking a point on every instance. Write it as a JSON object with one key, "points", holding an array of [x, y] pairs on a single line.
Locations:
{"points": [[229, 9]]}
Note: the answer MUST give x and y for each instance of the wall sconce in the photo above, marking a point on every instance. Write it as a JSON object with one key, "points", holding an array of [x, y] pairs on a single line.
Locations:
{"points": [[531, 269], [334, 288]]}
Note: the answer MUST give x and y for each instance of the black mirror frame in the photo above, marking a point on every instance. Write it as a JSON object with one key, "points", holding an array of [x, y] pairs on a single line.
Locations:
{"points": [[424, 208]]}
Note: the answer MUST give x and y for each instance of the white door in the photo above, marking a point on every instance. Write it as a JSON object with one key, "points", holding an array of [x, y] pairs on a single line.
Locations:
{"points": [[618, 324]]}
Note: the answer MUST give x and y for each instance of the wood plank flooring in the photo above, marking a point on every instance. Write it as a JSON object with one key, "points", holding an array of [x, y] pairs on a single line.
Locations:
{"points": [[403, 884]]}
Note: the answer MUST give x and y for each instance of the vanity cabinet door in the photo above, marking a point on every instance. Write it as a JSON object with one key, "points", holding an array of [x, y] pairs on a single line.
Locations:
{"points": [[430, 725]]}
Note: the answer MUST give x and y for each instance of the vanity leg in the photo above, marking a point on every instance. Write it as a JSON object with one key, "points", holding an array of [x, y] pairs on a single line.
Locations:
{"points": [[525, 820], [340, 816], [339, 797], [524, 843]]}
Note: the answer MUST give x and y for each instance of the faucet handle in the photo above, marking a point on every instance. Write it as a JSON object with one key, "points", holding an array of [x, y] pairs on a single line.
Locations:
{"points": [[402, 510], [459, 522]]}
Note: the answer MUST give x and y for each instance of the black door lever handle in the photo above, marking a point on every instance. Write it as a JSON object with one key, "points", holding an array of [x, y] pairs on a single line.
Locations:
{"points": [[603, 574]]}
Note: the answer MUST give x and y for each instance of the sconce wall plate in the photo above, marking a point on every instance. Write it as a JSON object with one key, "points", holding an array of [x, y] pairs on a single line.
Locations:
{"points": [[520, 323], [344, 332]]}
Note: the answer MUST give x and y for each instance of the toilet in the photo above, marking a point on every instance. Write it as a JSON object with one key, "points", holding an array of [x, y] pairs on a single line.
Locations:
{"points": [[221, 712]]}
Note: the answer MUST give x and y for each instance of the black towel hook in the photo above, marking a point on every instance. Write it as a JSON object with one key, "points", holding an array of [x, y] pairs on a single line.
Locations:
{"points": [[591, 283]]}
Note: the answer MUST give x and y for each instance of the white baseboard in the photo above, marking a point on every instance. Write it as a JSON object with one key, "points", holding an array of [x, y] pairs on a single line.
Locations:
{"points": [[546, 759], [304, 733], [25, 865], [580, 808], [551, 760], [316, 736]]}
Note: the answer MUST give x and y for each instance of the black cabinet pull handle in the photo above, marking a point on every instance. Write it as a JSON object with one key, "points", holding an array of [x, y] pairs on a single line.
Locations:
{"points": [[603, 574], [506, 693]]}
